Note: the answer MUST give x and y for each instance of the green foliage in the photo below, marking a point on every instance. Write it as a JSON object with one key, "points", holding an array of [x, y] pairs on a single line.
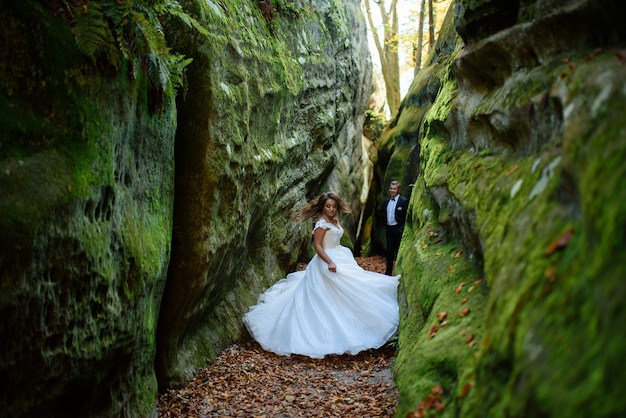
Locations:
{"points": [[133, 30], [392, 343], [93, 35], [273, 9], [174, 9], [288, 9], [373, 125]]}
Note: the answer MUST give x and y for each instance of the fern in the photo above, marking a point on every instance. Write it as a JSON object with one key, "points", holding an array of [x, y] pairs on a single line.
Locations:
{"points": [[147, 31], [177, 70], [158, 71], [91, 32], [132, 30], [174, 9], [117, 12]]}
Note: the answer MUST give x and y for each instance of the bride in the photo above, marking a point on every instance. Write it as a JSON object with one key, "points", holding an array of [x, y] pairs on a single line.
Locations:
{"points": [[332, 307]]}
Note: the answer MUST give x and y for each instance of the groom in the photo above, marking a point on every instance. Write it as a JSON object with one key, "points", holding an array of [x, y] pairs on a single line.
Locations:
{"points": [[395, 207]]}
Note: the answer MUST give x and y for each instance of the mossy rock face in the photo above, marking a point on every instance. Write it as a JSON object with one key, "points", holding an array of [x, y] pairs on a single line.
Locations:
{"points": [[511, 293], [92, 149], [86, 186], [273, 117]]}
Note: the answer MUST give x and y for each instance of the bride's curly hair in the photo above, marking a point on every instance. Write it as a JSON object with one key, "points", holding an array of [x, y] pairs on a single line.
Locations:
{"points": [[315, 208]]}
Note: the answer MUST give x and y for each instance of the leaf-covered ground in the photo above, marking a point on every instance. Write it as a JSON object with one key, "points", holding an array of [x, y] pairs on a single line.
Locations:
{"points": [[246, 381]]}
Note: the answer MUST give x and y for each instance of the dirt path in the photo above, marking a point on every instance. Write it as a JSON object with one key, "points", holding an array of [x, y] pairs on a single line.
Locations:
{"points": [[246, 381]]}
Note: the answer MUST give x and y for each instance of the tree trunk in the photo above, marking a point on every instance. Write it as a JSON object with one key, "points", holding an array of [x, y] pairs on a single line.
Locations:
{"points": [[420, 37], [431, 28], [388, 51]]}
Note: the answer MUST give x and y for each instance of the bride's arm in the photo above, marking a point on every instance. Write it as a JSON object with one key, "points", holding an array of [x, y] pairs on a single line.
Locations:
{"points": [[318, 239]]}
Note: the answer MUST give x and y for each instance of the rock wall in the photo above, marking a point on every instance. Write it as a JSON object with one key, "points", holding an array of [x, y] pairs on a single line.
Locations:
{"points": [[137, 224], [275, 115], [512, 290], [86, 179]]}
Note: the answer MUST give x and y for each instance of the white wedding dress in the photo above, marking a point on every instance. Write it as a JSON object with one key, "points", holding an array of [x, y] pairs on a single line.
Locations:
{"points": [[316, 312]]}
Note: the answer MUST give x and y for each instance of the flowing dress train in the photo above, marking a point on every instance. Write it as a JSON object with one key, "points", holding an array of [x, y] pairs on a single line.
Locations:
{"points": [[316, 312]]}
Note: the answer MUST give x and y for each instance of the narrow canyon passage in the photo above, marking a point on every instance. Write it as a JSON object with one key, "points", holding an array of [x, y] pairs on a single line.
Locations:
{"points": [[246, 381]]}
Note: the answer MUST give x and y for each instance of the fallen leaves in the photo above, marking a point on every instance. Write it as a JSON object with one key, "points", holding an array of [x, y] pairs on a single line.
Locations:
{"points": [[246, 381], [465, 390], [470, 339], [433, 331], [512, 170], [432, 402], [437, 240], [441, 317], [375, 263], [459, 288], [560, 242]]}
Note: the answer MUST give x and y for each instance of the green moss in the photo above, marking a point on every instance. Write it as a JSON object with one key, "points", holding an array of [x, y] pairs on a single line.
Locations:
{"points": [[145, 241], [145, 397], [586, 285], [546, 327], [47, 180], [340, 19], [407, 122], [268, 57], [437, 279], [54, 151], [445, 98]]}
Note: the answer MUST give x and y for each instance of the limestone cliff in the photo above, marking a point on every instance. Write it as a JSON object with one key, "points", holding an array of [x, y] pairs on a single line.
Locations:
{"points": [[512, 143], [128, 211]]}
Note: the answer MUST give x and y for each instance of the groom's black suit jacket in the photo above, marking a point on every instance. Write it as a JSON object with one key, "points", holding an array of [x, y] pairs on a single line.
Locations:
{"points": [[400, 212]]}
